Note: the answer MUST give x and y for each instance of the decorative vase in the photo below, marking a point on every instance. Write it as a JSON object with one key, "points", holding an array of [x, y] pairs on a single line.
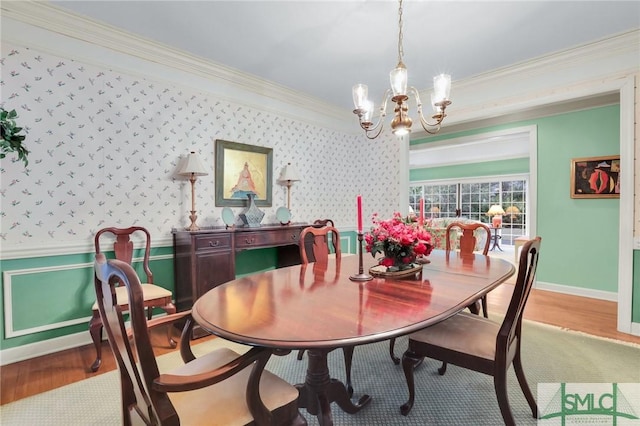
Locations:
{"points": [[252, 216], [409, 270], [399, 262]]}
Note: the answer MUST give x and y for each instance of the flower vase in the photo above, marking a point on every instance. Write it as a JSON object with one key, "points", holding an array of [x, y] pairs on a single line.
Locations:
{"points": [[252, 216], [396, 263]]}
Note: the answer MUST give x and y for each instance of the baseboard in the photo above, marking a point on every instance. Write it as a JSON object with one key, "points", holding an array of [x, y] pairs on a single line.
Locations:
{"points": [[578, 291], [32, 350], [46, 347]]}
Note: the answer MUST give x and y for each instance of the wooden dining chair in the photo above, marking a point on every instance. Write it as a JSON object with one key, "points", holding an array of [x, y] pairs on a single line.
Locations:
{"points": [[467, 245], [154, 295], [316, 244], [479, 344], [221, 387]]}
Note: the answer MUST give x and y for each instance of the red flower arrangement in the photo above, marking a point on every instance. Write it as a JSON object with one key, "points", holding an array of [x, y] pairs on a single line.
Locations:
{"points": [[399, 240]]}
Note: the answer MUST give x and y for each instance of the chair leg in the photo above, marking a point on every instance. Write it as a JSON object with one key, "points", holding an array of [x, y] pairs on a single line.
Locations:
{"points": [[500, 386], [348, 358], [409, 363], [517, 366], [95, 329], [169, 308], [392, 345], [442, 369], [485, 311], [300, 354]]}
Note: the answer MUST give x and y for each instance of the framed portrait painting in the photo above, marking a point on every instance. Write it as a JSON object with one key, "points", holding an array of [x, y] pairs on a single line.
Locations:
{"points": [[595, 177], [242, 170]]}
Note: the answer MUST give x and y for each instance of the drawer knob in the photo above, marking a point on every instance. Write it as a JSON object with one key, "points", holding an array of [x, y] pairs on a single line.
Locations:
{"points": [[215, 243]]}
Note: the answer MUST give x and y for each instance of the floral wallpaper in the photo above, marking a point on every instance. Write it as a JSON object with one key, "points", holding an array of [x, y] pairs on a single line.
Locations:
{"points": [[105, 147]]}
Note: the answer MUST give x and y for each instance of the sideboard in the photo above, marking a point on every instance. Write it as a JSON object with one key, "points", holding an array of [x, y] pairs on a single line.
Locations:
{"points": [[205, 258]]}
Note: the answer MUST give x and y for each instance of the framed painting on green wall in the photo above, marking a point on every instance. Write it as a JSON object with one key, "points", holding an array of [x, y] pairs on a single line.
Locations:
{"points": [[243, 170], [595, 177]]}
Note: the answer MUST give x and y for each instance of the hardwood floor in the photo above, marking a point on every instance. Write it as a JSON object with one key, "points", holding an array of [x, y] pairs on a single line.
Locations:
{"points": [[29, 377]]}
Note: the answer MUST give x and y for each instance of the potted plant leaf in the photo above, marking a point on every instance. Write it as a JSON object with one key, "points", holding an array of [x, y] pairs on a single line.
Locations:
{"points": [[11, 138]]}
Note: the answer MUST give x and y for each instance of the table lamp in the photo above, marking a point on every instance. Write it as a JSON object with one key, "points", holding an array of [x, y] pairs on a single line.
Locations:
{"points": [[513, 212], [193, 167], [496, 212], [288, 175]]}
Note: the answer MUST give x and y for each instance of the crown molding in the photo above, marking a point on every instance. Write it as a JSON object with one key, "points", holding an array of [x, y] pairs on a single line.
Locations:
{"points": [[252, 90], [604, 50], [570, 74]]}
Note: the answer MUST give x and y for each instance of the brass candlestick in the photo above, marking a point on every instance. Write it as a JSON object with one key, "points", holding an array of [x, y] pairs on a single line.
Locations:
{"points": [[361, 276]]}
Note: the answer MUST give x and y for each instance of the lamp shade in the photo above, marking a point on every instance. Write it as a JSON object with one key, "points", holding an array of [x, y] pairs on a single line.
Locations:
{"points": [[193, 166], [512, 211], [288, 174], [495, 209]]}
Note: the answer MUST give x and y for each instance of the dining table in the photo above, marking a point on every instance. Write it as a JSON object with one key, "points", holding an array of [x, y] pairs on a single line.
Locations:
{"points": [[317, 307]]}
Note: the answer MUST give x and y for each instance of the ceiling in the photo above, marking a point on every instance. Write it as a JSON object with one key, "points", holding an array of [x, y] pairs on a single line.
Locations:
{"points": [[323, 48]]}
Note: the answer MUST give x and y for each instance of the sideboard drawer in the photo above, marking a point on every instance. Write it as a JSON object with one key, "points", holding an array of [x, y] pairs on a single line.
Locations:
{"points": [[208, 242], [267, 238]]}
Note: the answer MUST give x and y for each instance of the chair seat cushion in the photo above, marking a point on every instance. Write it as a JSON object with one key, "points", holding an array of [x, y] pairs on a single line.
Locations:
{"points": [[149, 291], [464, 332], [225, 403]]}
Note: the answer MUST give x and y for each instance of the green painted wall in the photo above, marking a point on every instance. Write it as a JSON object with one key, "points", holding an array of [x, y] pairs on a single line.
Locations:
{"points": [[635, 307], [580, 236], [488, 168]]}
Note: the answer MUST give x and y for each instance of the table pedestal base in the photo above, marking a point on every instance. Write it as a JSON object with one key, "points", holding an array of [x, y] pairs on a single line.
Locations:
{"points": [[319, 390]]}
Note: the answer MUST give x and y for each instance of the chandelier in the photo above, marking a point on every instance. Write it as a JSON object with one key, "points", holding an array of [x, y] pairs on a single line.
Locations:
{"points": [[401, 123]]}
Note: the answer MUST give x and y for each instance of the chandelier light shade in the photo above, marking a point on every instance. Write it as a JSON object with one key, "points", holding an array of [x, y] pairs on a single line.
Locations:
{"points": [[399, 93], [193, 167]]}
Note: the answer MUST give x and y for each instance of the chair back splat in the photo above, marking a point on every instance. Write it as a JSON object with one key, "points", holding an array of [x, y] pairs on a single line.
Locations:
{"points": [[467, 243], [221, 387], [469, 237], [154, 296]]}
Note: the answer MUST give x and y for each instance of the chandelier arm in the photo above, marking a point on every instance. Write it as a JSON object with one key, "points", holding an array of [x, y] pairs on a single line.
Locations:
{"points": [[367, 126], [423, 121], [368, 132]]}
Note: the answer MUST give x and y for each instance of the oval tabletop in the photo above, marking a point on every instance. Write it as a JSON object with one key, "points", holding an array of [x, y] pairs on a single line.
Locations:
{"points": [[318, 306]]}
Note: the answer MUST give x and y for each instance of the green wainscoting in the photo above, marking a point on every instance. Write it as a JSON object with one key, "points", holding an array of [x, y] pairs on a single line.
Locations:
{"points": [[52, 296], [254, 261]]}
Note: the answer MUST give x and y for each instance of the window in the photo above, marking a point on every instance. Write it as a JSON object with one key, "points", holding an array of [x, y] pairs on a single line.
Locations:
{"points": [[471, 199]]}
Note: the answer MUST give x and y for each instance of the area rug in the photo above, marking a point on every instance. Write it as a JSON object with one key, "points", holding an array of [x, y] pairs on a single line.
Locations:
{"points": [[460, 397]]}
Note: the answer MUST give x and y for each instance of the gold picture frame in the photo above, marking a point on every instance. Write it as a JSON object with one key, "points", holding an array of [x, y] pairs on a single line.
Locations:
{"points": [[242, 169], [595, 177]]}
